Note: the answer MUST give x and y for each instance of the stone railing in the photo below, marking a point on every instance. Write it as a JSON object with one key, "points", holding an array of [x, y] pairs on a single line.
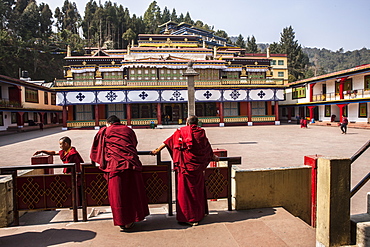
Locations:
{"points": [[165, 83]]}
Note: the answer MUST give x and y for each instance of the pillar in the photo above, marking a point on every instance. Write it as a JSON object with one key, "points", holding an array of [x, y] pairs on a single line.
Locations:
{"points": [[190, 73], [341, 87], [41, 114], [311, 91], [20, 121], [159, 114], [221, 113], [289, 114], [250, 123], [277, 120], [341, 111], [97, 126], [311, 111], [333, 202], [64, 118], [128, 109]]}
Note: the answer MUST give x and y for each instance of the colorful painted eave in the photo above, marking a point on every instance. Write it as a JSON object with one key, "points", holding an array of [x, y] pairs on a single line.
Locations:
{"points": [[331, 75]]}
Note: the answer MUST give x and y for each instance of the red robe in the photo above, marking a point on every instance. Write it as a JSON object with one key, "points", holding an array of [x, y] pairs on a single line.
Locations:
{"points": [[72, 156], [114, 148], [191, 153]]}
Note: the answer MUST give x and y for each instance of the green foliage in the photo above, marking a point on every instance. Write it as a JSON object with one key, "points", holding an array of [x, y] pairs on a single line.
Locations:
{"points": [[251, 45], [240, 41]]}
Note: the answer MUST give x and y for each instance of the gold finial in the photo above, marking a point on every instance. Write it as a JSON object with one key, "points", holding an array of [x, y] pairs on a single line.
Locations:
{"points": [[150, 39], [69, 53], [244, 72], [255, 63], [98, 74], [84, 63], [186, 39], [69, 73], [113, 63]]}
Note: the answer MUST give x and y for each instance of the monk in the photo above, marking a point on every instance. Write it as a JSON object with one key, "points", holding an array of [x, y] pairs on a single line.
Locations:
{"points": [[114, 149], [67, 154], [191, 153]]}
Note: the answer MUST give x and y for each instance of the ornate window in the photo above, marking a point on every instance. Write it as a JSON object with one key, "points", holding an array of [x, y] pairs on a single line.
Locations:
{"points": [[46, 98], [53, 97], [299, 92], [362, 110], [367, 82]]}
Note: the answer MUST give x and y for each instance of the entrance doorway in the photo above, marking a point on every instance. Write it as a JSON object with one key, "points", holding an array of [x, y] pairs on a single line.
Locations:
{"points": [[173, 113]]}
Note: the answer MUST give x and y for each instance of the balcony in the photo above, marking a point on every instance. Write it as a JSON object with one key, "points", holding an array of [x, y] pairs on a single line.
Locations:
{"points": [[166, 83], [351, 94], [9, 104]]}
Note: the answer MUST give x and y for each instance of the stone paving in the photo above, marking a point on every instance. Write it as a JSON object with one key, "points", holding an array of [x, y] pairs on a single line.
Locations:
{"points": [[259, 146]]}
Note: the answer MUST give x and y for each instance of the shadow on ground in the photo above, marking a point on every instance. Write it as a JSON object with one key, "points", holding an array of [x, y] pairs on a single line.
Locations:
{"points": [[47, 237]]}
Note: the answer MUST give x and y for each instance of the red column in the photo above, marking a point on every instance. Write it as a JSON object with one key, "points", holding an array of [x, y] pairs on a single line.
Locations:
{"points": [[249, 111], [128, 109], [289, 114], [311, 92], [311, 111], [341, 88], [96, 116], [221, 112], [20, 121], [64, 116], [276, 110], [159, 114], [41, 117], [341, 111]]}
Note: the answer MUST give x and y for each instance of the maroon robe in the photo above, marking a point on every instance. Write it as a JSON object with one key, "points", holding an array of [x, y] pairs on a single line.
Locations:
{"points": [[72, 156], [114, 148], [191, 153]]}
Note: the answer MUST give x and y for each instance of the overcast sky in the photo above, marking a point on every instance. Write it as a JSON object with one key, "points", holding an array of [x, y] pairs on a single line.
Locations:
{"points": [[330, 24]]}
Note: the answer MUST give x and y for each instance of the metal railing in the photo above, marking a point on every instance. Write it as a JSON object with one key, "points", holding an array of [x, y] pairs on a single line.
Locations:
{"points": [[367, 177], [350, 94]]}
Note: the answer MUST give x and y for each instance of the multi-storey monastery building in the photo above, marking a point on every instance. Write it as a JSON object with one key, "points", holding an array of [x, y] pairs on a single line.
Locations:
{"points": [[145, 83]]}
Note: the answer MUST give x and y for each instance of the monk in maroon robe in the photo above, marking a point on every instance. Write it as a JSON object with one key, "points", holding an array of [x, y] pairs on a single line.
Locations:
{"points": [[191, 153], [67, 154], [114, 148]]}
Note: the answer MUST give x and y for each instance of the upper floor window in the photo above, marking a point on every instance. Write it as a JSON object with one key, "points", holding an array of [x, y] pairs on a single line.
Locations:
{"points": [[53, 97], [299, 92], [273, 62], [46, 98], [280, 62], [347, 85], [367, 82], [280, 74], [32, 95]]}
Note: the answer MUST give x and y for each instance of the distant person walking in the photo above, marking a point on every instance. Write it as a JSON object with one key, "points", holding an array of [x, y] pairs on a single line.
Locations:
{"points": [[343, 125]]}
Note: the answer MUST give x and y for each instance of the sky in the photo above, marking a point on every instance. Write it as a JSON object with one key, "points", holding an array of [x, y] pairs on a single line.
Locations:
{"points": [[329, 24]]}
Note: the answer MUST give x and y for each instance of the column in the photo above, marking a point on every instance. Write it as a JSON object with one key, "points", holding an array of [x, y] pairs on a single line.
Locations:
{"points": [[341, 111], [190, 73], [97, 126], [341, 88], [333, 202], [289, 114], [221, 113], [277, 121], [311, 92], [128, 110], [20, 121], [311, 111], [41, 114], [159, 114], [64, 117], [250, 123]]}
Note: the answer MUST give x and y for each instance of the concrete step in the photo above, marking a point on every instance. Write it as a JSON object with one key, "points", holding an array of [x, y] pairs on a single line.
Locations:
{"points": [[360, 227]]}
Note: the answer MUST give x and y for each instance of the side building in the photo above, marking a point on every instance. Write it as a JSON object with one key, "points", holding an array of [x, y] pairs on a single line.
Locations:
{"points": [[145, 83], [327, 98], [24, 104]]}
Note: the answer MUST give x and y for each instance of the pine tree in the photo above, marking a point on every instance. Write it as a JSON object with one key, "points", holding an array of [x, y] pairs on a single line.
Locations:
{"points": [[166, 16], [152, 18], [188, 19], [251, 45], [174, 15], [240, 41]]}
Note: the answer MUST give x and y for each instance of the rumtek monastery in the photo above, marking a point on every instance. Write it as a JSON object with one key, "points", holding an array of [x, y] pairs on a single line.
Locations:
{"points": [[145, 84]]}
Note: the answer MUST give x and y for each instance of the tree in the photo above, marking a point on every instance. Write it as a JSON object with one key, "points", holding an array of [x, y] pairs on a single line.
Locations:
{"points": [[297, 59], [240, 41], [128, 36], [68, 17], [251, 45], [152, 18], [166, 15], [29, 22], [188, 19], [174, 15], [46, 21]]}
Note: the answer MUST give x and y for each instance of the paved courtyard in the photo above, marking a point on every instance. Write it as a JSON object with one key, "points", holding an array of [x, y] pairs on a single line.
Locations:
{"points": [[259, 147]]}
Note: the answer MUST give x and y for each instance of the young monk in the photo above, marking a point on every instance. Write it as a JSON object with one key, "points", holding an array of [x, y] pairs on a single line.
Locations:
{"points": [[191, 153], [67, 154], [114, 149]]}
